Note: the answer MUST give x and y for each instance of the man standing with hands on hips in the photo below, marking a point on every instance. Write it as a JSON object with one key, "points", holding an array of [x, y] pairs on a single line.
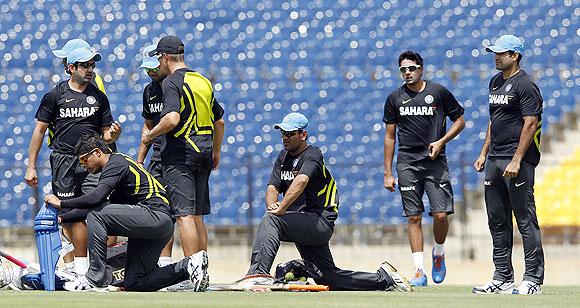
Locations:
{"points": [[512, 150]]}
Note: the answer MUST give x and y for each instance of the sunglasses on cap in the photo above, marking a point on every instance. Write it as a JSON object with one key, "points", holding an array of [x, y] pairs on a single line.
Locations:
{"points": [[152, 70], [291, 133], [411, 68]]}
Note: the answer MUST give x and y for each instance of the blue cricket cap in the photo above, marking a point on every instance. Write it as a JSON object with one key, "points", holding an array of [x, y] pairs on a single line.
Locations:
{"points": [[506, 43], [82, 54], [148, 61], [69, 47], [292, 121]]}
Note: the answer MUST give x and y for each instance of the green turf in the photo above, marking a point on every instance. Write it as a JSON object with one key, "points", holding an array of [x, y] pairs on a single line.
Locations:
{"points": [[439, 296]]}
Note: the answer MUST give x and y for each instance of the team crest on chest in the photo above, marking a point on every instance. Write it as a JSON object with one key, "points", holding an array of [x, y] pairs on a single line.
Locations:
{"points": [[91, 100], [295, 163], [508, 87], [429, 99]]}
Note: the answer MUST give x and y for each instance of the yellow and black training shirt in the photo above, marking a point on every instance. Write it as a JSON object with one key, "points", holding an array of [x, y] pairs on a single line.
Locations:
{"points": [[191, 94], [124, 182], [320, 195]]}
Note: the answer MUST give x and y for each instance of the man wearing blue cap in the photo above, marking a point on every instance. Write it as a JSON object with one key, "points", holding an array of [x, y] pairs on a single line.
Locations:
{"points": [[305, 216], [152, 106], [73, 108], [68, 48], [512, 150]]}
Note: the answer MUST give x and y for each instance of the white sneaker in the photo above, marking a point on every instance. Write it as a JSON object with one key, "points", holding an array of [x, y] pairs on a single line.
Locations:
{"points": [[185, 285], [401, 283], [528, 288], [197, 269], [81, 284], [494, 287]]}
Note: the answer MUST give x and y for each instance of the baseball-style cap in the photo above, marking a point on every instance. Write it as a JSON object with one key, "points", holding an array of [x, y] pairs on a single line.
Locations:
{"points": [[506, 43], [149, 62], [69, 47], [170, 45], [82, 54], [293, 121]]}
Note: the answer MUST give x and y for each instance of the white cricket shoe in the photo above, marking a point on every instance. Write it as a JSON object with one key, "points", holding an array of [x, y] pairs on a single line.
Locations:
{"points": [[494, 287], [401, 283], [197, 269], [528, 288], [81, 284]]}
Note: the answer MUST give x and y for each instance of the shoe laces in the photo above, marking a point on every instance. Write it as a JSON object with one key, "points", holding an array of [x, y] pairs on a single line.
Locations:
{"points": [[438, 260], [419, 274]]}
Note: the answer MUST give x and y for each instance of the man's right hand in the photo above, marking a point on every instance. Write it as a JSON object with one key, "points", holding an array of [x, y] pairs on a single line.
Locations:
{"points": [[479, 164], [389, 182], [31, 178]]}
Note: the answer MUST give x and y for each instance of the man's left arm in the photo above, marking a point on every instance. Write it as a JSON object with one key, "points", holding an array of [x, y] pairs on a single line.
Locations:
{"points": [[455, 112], [526, 137], [454, 130]]}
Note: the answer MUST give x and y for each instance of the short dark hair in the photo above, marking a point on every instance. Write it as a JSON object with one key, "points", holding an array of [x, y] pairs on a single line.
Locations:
{"points": [[89, 142], [519, 56], [411, 55]]}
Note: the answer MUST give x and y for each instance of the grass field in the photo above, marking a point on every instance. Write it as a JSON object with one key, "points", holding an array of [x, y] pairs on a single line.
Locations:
{"points": [[439, 296]]}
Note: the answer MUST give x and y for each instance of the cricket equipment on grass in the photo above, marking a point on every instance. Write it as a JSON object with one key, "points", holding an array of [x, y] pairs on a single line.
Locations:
{"points": [[299, 268], [400, 283], [48, 243], [266, 283]]}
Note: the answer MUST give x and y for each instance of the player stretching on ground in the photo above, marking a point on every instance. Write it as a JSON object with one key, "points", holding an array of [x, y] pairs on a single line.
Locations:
{"points": [[418, 109], [138, 209], [306, 215]]}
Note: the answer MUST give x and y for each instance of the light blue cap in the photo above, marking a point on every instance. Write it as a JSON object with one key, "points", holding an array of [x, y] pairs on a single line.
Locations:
{"points": [[506, 43], [69, 47], [83, 54], [293, 121], [149, 62]]}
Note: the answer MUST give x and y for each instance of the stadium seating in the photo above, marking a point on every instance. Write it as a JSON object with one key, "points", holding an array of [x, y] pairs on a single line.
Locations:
{"points": [[557, 194], [335, 61]]}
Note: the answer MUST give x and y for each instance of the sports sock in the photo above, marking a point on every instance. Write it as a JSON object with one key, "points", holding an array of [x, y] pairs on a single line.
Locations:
{"points": [[418, 260], [69, 266], [81, 265], [438, 249], [164, 261]]}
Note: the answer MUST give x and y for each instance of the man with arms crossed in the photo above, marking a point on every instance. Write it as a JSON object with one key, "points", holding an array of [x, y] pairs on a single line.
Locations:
{"points": [[419, 109], [512, 149]]}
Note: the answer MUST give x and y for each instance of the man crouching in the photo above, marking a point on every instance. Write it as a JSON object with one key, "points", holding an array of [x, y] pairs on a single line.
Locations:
{"points": [[138, 209]]}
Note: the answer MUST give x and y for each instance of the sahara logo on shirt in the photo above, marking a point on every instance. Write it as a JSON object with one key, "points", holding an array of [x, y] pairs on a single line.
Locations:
{"points": [[416, 110], [287, 175], [499, 99], [77, 112], [157, 107]]}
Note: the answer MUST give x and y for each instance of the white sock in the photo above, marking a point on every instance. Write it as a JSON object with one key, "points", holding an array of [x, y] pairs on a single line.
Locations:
{"points": [[438, 249], [418, 260], [69, 266], [81, 265], [164, 261]]}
